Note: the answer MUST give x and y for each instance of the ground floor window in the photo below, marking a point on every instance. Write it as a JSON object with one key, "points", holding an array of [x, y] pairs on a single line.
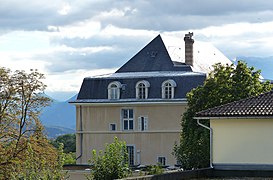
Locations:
{"points": [[131, 154], [161, 161]]}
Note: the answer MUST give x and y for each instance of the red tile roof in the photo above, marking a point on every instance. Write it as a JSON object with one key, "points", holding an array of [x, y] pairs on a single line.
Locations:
{"points": [[261, 105]]}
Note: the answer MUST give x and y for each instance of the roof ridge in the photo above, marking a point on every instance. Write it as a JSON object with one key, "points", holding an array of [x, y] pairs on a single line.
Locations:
{"points": [[219, 110]]}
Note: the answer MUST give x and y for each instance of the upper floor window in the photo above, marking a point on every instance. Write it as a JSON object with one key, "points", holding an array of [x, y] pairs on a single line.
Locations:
{"points": [[168, 89], [142, 123], [114, 90], [127, 119], [112, 127], [142, 89]]}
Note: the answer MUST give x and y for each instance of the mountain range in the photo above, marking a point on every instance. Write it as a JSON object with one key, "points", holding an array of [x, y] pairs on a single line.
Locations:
{"points": [[59, 118]]}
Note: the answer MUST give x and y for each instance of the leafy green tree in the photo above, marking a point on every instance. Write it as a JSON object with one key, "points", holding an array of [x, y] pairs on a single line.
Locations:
{"points": [[110, 164], [70, 158], [24, 150], [226, 83], [68, 140]]}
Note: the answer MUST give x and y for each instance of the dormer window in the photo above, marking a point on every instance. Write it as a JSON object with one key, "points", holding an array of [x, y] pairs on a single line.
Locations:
{"points": [[142, 89], [168, 89], [114, 90]]}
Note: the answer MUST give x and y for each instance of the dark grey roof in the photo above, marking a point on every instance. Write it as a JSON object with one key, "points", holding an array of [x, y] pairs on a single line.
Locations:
{"points": [[153, 57], [261, 105], [152, 64], [96, 88]]}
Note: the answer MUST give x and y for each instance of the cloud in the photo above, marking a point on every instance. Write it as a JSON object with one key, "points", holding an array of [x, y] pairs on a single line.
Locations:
{"points": [[67, 38], [161, 15]]}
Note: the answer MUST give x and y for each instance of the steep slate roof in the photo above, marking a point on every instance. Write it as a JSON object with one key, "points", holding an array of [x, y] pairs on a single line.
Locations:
{"points": [[160, 60], [204, 53], [261, 105], [168, 53], [153, 57]]}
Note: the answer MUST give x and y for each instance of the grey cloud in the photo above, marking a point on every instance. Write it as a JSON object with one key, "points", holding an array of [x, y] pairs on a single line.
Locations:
{"points": [[65, 61], [151, 15], [123, 48], [180, 15]]}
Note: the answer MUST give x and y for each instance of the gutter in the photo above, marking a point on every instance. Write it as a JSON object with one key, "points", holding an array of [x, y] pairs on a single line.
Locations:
{"points": [[210, 130], [81, 135]]}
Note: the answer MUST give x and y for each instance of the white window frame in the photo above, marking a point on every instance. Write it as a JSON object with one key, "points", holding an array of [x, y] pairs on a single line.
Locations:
{"points": [[146, 85], [114, 92], [128, 119], [143, 123], [111, 125], [172, 84]]}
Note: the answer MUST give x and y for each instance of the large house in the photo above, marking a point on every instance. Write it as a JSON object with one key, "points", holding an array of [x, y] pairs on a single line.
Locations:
{"points": [[143, 101], [241, 133]]}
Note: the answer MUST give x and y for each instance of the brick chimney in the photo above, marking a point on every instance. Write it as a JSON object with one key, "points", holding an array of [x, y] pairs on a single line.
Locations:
{"points": [[189, 48]]}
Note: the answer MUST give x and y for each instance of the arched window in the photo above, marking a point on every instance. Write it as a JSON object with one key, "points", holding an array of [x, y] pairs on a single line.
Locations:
{"points": [[168, 89], [114, 90], [142, 89]]}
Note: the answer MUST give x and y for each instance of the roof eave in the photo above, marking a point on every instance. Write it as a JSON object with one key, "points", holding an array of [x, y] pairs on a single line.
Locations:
{"points": [[234, 117]]}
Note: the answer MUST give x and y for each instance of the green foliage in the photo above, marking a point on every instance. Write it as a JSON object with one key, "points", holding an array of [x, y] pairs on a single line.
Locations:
{"points": [[226, 83], [68, 140], [112, 163], [70, 158], [25, 153]]}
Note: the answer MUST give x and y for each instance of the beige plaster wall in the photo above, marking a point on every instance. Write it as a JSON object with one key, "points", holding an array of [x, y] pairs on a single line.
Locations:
{"points": [[149, 145], [242, 141], [163, 130], [161, 117]]}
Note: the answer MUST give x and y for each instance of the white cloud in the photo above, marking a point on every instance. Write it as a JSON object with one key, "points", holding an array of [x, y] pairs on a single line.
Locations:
{"points": [[71, 80], [65, 9], [82, 29]]}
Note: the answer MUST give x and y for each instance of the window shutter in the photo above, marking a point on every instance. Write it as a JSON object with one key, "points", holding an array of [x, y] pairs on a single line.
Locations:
{"points": [[145, 123], [139, 123]]}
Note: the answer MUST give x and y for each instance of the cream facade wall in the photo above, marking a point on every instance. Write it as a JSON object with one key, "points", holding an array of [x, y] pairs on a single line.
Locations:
{"points": [[158, 140], [242, 141]]}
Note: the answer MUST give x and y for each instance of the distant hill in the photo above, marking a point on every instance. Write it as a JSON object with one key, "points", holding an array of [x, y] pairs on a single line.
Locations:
{"points": [[55, 131], [265, 64], [59, 117]]}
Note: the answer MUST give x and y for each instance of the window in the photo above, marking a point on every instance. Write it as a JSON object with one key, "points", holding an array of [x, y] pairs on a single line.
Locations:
{"points": [[161, 161], [114, 90], [142, 89], [112, 127], [168, 89], [142, 123], [131, 154], [128, 119]]}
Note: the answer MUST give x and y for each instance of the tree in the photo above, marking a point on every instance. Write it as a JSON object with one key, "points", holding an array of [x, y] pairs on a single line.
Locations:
{"points": [[226, 83], [112, 163], [23, 146], [68, 140]]}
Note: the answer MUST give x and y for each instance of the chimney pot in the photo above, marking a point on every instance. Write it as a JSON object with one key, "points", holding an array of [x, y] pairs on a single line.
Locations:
{"points": [[189, 48]]}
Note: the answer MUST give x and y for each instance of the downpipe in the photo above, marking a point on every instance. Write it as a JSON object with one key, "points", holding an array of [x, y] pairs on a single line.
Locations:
{"points": [[210, 140], [81, 135]]}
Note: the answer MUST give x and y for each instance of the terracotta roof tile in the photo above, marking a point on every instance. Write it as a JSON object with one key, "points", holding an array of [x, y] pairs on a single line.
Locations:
{"points": [[261, 105]]}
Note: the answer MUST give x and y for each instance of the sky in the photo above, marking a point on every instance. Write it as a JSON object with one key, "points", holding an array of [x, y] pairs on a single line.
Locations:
{"points": [[68, 40]]}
